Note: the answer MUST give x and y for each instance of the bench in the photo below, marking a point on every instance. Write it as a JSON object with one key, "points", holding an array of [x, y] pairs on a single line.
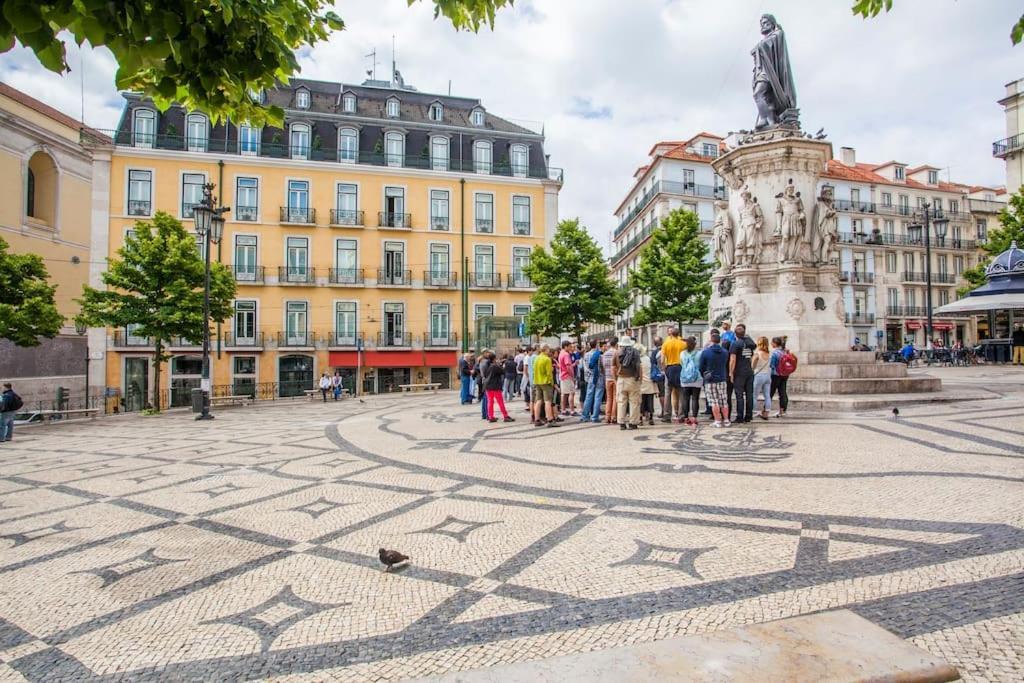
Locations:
{"points": [[429, 386], [312, 394], [230, 400], [50, 415]]}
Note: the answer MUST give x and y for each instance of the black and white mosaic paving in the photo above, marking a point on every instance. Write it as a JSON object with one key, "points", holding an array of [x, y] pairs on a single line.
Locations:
{"points": [[139, 548]]}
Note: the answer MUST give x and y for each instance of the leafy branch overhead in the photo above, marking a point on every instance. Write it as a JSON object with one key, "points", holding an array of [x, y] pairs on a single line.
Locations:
{"points": [[872, 8], [208, 55]]}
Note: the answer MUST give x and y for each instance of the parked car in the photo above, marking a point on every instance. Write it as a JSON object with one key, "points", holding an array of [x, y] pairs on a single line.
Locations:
{"points": [[28, 417]]}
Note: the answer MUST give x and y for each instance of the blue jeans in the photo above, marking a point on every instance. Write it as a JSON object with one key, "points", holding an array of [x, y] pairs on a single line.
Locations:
{"points": [[763, 388], [483, 403], [466, 394], [7, 425], [595, 399]]}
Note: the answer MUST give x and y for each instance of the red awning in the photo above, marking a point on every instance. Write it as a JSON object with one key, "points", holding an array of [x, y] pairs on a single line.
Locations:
{"points": [[394, 359], [943, 326], [914, 325]]}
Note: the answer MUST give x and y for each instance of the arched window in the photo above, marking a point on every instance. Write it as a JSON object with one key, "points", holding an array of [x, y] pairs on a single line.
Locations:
{"points": [[394, 149], [41, 189], [197, 132], [348, 145], [143, 128], [299, 141], [439, 153], [520, 155], [482, 156]]}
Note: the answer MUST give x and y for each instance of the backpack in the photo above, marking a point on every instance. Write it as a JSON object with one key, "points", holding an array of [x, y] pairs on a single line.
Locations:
{"points": [[16, 402], [656, 374], [787, 364], [630, 359], [689, 371]]}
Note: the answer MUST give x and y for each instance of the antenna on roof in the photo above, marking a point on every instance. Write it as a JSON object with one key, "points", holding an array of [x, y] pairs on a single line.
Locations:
{"points": [[81, 76], [372, 72], [394, 64], [449, 87]]}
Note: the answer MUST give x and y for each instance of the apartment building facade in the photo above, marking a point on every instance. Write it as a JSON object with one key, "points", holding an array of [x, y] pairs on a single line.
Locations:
{"points": [[56, 173], [881, 237], [367, 236], [1011, 148], [677, 174]]}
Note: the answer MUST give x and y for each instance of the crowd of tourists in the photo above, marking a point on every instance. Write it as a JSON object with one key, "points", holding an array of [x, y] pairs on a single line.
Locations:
{"points": [[730, 379]]}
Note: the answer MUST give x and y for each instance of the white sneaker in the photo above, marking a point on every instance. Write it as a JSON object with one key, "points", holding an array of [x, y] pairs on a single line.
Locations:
{"points": [[718, 425], [728, 424]]}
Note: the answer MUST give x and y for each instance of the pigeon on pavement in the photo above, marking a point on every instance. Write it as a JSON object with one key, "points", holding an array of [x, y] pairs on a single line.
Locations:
{"points": [[389, 558], [895, 413]]}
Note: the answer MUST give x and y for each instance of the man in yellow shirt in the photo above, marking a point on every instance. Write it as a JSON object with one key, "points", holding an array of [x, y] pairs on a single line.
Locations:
{"points": [[671, 351], [543, 387]]}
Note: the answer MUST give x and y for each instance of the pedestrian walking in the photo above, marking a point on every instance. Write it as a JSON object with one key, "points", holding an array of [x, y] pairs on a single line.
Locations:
{"points": [[543, 388], [762, 369], [691, 381], [466, 378], [495, 380], [783, 364], [608, 366], [741, 351], [627, 367], [714, 368], [595, 382], [10, 404], [672, 351], [1018, 345]]}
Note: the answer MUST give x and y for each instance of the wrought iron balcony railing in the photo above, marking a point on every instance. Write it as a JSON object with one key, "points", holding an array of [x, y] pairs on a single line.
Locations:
{"points": [[394, 278], [298, 214], [247, 273], [346, 217], [345, 276], [439, 278], [387, 219], [302, 275]]}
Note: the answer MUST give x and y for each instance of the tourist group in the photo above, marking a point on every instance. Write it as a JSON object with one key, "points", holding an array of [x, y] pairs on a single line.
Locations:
{"points": [[628, 383]]}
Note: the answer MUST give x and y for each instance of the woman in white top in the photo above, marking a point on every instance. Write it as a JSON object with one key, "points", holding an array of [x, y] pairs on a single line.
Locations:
{"points": [[648, 388], [761, 364]]}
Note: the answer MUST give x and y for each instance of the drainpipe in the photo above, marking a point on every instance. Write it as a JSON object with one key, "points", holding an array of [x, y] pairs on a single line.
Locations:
{"points": [[220, 242], [464, 260]]}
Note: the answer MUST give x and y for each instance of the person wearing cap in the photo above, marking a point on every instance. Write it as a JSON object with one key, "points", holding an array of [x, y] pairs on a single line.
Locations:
{"points": [[627, 370]]}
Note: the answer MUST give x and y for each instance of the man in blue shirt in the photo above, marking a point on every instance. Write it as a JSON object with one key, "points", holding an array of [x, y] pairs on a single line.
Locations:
{"points": [[714, 368], [595, 382], [907, 352], [728, 336]]}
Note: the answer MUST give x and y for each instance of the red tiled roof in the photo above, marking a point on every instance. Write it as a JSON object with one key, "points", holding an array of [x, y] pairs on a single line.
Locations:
{"points": [[865, 173], [888, 163], [656, 145], [922, 168], [703, 134], [46, 110], [682, 154]]}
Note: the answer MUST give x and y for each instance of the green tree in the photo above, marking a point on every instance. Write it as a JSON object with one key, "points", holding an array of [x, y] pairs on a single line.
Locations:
{"points": [[573, 285], [207, 55], [157, 284], [1012, 221], [673, 272], [872, 8], [27, 309]]}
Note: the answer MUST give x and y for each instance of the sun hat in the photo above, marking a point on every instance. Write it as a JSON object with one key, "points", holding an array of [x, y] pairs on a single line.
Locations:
{"points": [[625, 341]]}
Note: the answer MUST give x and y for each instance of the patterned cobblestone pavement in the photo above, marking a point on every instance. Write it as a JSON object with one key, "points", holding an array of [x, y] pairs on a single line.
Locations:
{"points": [[158, 548]]}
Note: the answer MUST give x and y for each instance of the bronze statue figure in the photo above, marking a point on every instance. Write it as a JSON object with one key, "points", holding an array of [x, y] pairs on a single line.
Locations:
{"points": [[774, 90]]}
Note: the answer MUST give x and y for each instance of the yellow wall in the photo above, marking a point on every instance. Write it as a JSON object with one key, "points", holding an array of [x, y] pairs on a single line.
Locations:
{"points": [[273, 175]]}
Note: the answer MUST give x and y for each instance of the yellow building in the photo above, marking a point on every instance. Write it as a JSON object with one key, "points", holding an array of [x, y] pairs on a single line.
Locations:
{"points": [[54, 171], [354, 233]]}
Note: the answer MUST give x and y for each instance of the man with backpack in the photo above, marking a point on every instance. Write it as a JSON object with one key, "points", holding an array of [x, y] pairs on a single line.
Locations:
{"points": [[627, 383], [10, 404], [783, 364]]}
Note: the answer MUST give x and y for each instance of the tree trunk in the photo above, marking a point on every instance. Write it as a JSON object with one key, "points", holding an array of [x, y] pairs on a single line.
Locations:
{"points": [[156, 375]]}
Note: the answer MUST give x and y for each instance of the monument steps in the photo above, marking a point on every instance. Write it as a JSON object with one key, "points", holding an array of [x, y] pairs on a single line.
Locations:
{"points": [[864, 385], [853, 403], [850, 371], [834, 357]]}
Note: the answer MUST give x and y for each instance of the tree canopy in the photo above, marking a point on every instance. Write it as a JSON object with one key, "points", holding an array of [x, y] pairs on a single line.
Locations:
{"points": [[207, 55], [27, 308], [872, 8], [573, 284], [1011, 220], [673, 272], [157, 286]]}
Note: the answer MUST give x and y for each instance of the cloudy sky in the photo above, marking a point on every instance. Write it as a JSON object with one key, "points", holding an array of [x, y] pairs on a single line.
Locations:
{"points": [[608, 78]]}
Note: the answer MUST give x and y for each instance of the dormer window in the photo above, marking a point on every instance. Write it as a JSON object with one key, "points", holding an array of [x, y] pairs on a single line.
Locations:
{"points": [[933, 177], [197, 132], [302, 99], [436, 112], [393, 107], [143, 127], [709, 149], [477, 117], [898, 173], [348, 104]]}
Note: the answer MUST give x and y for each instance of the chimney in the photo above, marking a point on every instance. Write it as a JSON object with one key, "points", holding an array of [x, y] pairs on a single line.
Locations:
{"points": [[848, 155]]}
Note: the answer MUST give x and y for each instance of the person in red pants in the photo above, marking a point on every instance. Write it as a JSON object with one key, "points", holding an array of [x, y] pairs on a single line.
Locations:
{"points": [[494, 379]]}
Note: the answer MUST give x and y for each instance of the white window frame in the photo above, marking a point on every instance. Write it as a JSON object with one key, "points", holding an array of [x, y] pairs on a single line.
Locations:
{"points": [[443, 312], [436, 112], [354, 277], [245, 275], [899, 173], [482, 306], [292, 337], [348, 103], [477, 117], [139, 138], [302, 98], [438, 222], [393, 108], [197, 143], [529, 214], [182, 213], [296, 211], [139, 183], [391, 158], [520, 279], [519, 169], [440, 162], [338, 194], [239, 213], [297, 151], [351, 307], [348, 156], [483, 156], [251, 150], [477, 218], [489, 281], [250, 306]]}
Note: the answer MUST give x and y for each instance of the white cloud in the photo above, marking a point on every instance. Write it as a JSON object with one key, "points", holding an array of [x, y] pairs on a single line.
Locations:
{"points": [[608, 78]]}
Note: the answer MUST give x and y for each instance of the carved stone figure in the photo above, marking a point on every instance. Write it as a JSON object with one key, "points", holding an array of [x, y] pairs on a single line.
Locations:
{"points": [[795, 308], [825, 227], [740, 311], [790, 221], [725, 287], [748, 237], [723, 242], [774, 90]]}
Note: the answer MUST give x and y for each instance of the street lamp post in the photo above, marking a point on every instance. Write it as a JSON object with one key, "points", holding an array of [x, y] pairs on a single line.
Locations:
{"points": [[209, 222], [82, 330], [941, 224]]}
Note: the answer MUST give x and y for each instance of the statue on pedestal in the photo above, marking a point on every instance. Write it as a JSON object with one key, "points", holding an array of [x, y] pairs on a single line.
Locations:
{"points": [[789, 224], [774, 90], [825, 227], [723, 243], [748, 237]]}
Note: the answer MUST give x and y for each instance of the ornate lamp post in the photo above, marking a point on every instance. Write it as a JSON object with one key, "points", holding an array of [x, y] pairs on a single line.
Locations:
{"points": [[209, 222], [941, 224], [82, 330]]}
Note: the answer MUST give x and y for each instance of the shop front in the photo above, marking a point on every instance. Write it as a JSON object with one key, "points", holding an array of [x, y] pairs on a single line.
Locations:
{"points": [[382, 372]]}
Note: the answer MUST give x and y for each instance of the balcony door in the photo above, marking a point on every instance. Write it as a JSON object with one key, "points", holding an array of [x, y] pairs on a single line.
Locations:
{"points": [[439, 265], [394, 324], [346, 261], [394, 207], [520, 260], [483, 261], [298, 201], [440, 321], [296, 320], [298, 259], [245, 258], [394, 263], [245, 323]]}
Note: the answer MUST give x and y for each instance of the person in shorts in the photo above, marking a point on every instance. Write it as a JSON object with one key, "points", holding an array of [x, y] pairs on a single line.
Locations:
{"points": [[543, 388], [567, 378], [714, 368]]}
